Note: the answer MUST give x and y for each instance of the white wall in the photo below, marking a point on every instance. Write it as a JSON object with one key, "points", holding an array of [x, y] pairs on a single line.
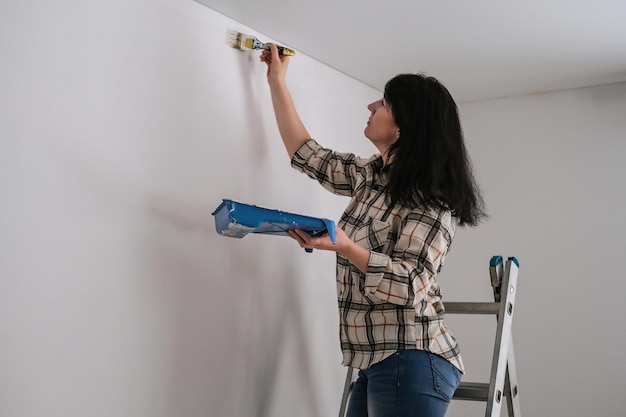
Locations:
{"points": [[124, 123], [552, 168]]}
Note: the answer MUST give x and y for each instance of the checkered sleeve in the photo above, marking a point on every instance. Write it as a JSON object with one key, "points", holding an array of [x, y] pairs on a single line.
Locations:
{"points": [[337, 172], [405, 277]]}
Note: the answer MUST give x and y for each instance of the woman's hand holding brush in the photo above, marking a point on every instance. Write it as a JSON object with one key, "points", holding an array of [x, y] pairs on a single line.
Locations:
{"points": [[276, 64]]}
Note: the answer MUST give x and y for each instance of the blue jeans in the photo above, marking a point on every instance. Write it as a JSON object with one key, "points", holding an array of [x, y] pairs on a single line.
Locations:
{"points": [[411, 383]]}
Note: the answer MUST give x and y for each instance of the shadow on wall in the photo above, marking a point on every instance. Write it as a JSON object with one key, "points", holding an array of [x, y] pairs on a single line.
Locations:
{"points": [[251, 114], [231, 318], [234, 305], [236, 312]]}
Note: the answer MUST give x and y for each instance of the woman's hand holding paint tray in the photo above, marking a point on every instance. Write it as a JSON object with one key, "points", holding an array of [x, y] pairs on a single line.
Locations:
{"points": [[234, 219]]}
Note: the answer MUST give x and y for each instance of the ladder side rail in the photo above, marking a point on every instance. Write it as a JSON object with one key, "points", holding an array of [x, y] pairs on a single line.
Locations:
{"points": [[511, 386], [503, 340], [496, 272], [347, 387]]}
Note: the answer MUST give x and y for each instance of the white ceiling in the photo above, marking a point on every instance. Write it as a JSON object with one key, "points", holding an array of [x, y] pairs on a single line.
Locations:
{"points": [[480, 49]]}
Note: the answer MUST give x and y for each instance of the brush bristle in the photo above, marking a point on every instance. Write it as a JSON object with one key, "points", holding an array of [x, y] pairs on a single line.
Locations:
{"points": [[233, 38]]}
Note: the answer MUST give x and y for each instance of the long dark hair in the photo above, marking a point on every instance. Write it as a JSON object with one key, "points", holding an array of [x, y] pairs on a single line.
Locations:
{"points": [[429, 163]]}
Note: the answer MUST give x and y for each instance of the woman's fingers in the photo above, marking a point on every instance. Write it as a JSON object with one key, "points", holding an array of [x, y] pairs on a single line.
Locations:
{"points": [[266, 57], [300, 236], [274, 52], [307, 241]]}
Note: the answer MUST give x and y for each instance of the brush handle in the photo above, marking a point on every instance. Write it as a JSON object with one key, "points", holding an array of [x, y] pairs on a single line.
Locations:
{"points": [[282, 50], [286, 51]]}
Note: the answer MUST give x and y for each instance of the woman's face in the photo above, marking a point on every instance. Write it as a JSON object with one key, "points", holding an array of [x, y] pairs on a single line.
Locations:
{"points": [[381, 129]]}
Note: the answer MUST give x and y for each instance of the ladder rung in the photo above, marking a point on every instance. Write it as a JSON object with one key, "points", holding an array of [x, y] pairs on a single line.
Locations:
{"points": [[472, 308], [476, 391], [472, 391]]}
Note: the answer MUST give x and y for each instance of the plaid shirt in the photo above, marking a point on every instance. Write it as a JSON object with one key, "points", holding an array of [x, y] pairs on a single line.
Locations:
{"points": [[397, 304]]}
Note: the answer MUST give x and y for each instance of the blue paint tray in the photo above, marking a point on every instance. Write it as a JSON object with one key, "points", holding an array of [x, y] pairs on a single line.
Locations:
{"points": [[235, 219]]}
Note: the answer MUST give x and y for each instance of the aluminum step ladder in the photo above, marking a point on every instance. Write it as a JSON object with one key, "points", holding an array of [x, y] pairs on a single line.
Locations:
{"points": [[503, 379]]}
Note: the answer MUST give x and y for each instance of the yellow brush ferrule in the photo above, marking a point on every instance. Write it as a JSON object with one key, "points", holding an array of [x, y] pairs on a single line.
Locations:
{"points": [[248, 43]]}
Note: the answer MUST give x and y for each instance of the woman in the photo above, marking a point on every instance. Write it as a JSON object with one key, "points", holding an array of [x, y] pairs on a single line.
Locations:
{"points": [[392, 239]]}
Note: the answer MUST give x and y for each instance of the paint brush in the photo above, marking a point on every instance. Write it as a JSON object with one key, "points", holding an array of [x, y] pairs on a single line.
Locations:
{"points": [[248, 43]]}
